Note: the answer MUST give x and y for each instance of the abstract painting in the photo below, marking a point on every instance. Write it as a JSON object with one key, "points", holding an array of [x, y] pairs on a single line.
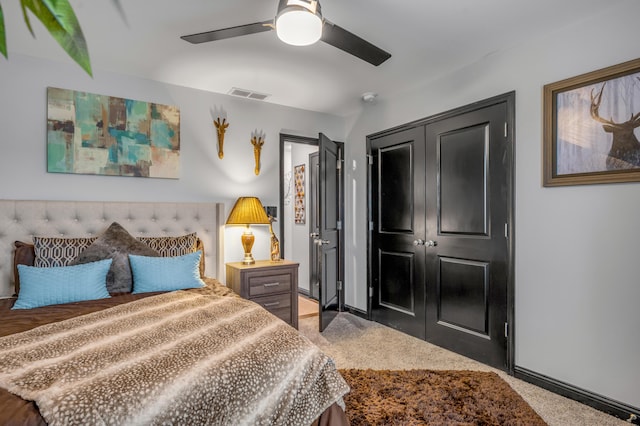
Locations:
{"points": [[106, 135], [299, 206]]}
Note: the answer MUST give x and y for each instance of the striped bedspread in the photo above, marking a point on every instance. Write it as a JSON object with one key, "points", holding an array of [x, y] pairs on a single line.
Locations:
{"points": [[176, 358]]}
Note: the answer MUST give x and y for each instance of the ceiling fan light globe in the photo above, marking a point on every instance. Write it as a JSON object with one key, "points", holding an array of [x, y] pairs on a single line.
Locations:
{"points": [[298, 27]]}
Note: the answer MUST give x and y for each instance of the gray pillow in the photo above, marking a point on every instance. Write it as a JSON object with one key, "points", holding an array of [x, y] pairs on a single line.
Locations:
{"points": [[117, 244]]}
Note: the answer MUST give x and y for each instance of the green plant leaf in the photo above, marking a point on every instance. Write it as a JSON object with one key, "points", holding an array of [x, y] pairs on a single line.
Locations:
{"points": [[26, 17], [60, 20], [3, 37]]}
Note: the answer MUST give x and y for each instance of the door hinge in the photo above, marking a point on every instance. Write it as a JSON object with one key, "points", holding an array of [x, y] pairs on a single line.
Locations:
{"points": [[506, 329], [371, 225], [339, 164], [370, 158], [506, 230], [506, 129], [370, 291], [339, 225], [339, 285]]}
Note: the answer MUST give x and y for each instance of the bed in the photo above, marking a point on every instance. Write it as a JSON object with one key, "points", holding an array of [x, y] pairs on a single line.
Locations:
{"points": [[196, 354]]}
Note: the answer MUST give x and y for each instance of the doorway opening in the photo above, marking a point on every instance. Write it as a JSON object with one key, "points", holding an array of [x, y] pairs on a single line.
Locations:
{"points": [[298, 204], [311, 202]]}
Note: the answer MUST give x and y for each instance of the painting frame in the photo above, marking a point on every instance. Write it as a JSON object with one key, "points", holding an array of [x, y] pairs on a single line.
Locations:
{"points": [[553, 126]]}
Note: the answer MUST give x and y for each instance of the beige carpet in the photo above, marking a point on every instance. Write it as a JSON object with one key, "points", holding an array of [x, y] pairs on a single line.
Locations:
{"points": [[356, 343]]}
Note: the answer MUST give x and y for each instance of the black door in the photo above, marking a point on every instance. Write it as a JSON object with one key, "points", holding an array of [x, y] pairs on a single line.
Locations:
{"points": [[314, 226], [440, 240], [397, 293], [330, 240], [468, 199]]}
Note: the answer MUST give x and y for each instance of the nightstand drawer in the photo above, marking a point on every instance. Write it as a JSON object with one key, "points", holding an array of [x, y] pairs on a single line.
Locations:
{"points": [[263, 284], [279, 305]]}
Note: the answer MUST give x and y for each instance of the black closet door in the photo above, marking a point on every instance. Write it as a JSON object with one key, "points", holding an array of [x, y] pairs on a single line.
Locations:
{"points": [[440, 246], [398, 230], [467, 213]]}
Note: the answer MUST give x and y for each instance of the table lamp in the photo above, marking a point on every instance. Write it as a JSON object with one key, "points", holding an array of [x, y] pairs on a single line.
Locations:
{"points": [[248, 211]]}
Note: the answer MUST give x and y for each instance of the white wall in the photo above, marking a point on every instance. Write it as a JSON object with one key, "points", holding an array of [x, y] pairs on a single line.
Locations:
{"points": [[297, 234], [204, 177], [577, 270]]}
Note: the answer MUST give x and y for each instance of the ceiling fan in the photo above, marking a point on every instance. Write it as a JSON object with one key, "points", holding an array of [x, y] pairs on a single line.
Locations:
{"points": [[300, 23]]}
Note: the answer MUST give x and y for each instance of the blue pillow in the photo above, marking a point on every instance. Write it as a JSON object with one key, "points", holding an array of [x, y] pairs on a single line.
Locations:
{"points": [[62, 284], [165, 273]]}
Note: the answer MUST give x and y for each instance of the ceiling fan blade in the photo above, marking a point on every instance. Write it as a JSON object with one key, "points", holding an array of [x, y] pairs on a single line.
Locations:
{"points": [[240, 30], [352, 44]]}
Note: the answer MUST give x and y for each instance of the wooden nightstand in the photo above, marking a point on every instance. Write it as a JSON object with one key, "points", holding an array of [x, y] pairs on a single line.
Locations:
{"points": [[273, 285]]}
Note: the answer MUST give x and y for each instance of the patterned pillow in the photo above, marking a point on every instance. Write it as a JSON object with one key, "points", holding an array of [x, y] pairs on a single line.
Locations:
{"points": [[177, 246], [55, 251], [172, 246], [115, 243]]}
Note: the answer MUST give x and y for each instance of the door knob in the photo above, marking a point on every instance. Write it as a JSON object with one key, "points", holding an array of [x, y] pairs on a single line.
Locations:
{"points": [[418, 242], [431, 243], [314, 235], [321, 242]]}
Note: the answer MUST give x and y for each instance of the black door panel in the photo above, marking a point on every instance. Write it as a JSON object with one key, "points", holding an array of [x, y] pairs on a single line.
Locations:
{"points": [[463, 288], [396, 188], [463, 163]]}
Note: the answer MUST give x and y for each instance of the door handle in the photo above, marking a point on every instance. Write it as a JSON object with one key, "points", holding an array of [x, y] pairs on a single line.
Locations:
{"points": [[431, 243], [314, 235], [322, 242], [418, 242], [421, 242]]}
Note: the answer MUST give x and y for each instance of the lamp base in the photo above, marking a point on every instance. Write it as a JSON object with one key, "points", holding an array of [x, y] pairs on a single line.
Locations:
{"points": [[247, 242]]}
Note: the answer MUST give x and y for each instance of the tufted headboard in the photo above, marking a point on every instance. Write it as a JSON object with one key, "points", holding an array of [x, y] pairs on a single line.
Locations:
{"points": [[21, 220]]}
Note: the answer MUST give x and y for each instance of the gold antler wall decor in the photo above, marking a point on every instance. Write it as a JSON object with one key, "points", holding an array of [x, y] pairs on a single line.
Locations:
{"points": [[257, 140], [221, 127]]}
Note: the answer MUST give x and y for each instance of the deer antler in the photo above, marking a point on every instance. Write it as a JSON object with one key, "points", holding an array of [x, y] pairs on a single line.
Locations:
{"points": [[634, 121], [595, 106]]}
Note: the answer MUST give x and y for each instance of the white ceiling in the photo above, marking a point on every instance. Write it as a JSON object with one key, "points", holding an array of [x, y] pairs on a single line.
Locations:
{"points": [[426, 38]]}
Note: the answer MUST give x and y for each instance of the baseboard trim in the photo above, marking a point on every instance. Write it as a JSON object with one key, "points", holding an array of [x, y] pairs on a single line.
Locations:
{"points": [[304, 292], [355, 311], [599, 402]]}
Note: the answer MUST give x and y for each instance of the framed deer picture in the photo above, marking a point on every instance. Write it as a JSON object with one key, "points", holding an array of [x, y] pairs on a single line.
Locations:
{"points": [[592, 126]]}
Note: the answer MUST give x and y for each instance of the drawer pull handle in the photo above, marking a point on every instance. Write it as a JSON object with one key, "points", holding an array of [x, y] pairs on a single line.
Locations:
{"points": [[271, 285], [271, 304]]}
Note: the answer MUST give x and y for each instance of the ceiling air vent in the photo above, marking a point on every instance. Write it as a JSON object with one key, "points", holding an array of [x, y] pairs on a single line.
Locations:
{"points": [[249, 94]]}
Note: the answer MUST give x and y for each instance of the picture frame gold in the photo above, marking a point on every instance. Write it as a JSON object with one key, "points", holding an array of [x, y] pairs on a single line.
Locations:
{"points": [[586, 140]]}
